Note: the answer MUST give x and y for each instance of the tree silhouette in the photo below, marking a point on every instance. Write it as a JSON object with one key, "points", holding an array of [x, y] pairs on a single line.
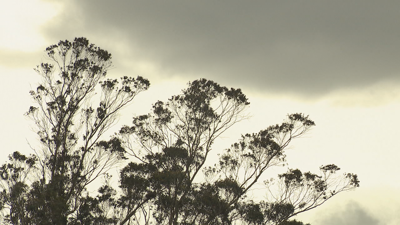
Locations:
{"points": [[171, 144], [71, 155], [166, 179]]}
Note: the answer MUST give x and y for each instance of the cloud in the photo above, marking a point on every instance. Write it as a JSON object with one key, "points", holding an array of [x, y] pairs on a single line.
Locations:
{"points": [[299, 47], [20, 59], [19, 21], [351, 214]]}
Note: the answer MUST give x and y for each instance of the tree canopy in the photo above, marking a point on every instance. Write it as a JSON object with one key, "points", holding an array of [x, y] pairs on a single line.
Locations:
{"points": [[165, 178]]}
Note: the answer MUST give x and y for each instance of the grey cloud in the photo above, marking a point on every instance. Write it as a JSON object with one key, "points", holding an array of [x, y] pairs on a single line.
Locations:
{"points": [[351, 214], [299, 47]]}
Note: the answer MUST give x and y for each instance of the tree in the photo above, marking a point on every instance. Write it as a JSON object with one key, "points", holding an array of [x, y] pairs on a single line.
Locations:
{"points": [[50, 186], [166, 178], [171, 144]]}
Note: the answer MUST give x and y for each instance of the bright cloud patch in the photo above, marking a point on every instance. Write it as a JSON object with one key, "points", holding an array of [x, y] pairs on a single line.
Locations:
{"points": [[20, 22]]}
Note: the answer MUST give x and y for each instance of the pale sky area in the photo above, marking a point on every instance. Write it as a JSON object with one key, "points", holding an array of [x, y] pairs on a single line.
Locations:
{"points": [[336, 61]]}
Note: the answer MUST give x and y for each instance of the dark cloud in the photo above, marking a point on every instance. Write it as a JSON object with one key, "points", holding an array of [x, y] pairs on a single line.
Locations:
{"points": [[351, 214], [301, 47]]}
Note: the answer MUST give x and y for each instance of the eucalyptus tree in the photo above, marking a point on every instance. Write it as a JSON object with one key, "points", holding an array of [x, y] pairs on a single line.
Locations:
{"points": [[172, 143], [166, 178], [50, 186], [168, 182]]}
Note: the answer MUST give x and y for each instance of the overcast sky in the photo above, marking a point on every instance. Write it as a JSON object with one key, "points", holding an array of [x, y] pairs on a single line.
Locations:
{"points": [[334, 60]]}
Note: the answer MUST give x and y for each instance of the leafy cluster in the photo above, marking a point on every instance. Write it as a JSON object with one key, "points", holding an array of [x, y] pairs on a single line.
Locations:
{"points": [[165, 179]]}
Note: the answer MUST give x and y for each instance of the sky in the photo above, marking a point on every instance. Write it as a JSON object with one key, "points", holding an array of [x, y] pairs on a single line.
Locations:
{"points": [[336, 61]]}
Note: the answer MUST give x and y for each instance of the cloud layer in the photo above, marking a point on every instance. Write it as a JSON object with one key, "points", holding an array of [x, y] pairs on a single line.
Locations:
{"points": [[302, 47], [351, 214]]}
